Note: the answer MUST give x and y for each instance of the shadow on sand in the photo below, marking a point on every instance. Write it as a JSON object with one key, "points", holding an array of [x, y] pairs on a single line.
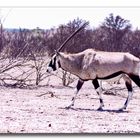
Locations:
{"points": [[104, 110]]}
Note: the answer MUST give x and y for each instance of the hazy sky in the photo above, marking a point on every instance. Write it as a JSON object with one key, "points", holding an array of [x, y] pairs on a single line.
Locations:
{"points": [[47, 17]]}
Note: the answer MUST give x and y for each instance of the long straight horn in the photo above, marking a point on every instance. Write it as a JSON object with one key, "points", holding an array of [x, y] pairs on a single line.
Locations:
{"points": [[73, 34]]}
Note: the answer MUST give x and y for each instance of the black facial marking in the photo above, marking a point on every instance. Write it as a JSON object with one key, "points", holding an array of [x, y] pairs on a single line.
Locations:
{"points": [[53, 64]]}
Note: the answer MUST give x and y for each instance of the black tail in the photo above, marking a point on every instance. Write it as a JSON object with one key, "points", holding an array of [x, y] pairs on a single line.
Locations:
{"points": [[136, 79]]}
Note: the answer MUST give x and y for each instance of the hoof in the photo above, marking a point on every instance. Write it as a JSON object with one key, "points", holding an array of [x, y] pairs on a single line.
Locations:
{"points": [[68, 107], [100, 109], [122, 109], [72, 99]]}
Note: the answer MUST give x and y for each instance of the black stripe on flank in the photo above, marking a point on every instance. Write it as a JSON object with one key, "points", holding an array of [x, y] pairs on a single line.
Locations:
{"points": [[111, 76]]}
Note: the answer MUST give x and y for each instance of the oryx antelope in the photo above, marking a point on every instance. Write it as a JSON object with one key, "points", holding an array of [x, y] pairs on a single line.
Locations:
{"points": [[94, 65]]}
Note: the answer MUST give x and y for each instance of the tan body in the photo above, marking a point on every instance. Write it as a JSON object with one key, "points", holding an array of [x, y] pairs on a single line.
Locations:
{"points": [[94, 65], [91, 64]]}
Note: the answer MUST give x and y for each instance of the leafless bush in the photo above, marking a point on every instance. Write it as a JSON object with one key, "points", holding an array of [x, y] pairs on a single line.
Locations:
{"points": [[24, 53], [67, 78], [39, 64]]}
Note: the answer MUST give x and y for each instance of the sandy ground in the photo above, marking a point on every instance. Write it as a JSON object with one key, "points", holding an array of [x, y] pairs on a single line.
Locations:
{"points": [[42, 110]]}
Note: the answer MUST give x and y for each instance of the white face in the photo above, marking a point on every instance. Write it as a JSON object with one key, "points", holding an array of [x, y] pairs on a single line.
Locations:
{"points": [[53, 64]]}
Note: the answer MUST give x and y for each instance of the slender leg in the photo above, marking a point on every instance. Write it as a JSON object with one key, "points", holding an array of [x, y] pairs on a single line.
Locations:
{"points": [[78, 87], [99, 92], [128, 84]]}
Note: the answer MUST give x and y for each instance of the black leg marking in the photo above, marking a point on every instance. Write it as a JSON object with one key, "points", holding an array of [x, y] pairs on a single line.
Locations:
{"points": [[98, 90], [95, 83], [129, 88], [78, 87], [79, 84], [135, 78], [101, 101]]}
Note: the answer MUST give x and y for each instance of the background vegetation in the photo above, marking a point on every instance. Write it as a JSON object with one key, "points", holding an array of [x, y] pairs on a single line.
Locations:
{"points": [[31, 49]]}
